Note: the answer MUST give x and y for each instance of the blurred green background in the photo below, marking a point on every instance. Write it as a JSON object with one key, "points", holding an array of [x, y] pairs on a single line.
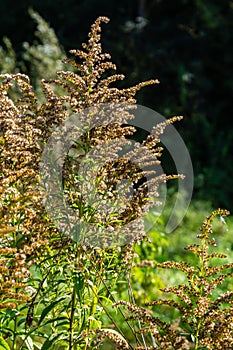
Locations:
{"points": [[187, 45]]}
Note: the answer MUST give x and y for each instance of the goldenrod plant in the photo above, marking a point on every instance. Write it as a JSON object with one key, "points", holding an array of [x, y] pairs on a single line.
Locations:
{"points": [[205, 318], [56, 291]]}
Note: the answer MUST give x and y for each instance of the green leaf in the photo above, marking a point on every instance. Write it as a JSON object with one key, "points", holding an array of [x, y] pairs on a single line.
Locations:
{"points": [[47, 344], [79, 286], [37, 345], [21, 321], [57, 319], [3, 344], [29, 343], [49, 308], [94, 323]]}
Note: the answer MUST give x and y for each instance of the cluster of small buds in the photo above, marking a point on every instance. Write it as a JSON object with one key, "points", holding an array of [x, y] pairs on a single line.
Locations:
{"points": [[13, 277]]}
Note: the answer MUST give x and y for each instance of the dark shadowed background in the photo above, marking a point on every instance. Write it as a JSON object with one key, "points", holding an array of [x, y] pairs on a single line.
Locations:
{"points": [[187, 45]]}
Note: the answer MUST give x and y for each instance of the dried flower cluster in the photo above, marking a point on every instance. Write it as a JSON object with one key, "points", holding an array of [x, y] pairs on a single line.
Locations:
{"points": [[27, 233], [103, 113], [13, 275]]}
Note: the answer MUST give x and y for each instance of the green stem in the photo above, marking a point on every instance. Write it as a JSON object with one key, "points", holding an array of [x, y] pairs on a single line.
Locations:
{"points": [[197, 336], [71, 328], [14, 335], [106, 310]]}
